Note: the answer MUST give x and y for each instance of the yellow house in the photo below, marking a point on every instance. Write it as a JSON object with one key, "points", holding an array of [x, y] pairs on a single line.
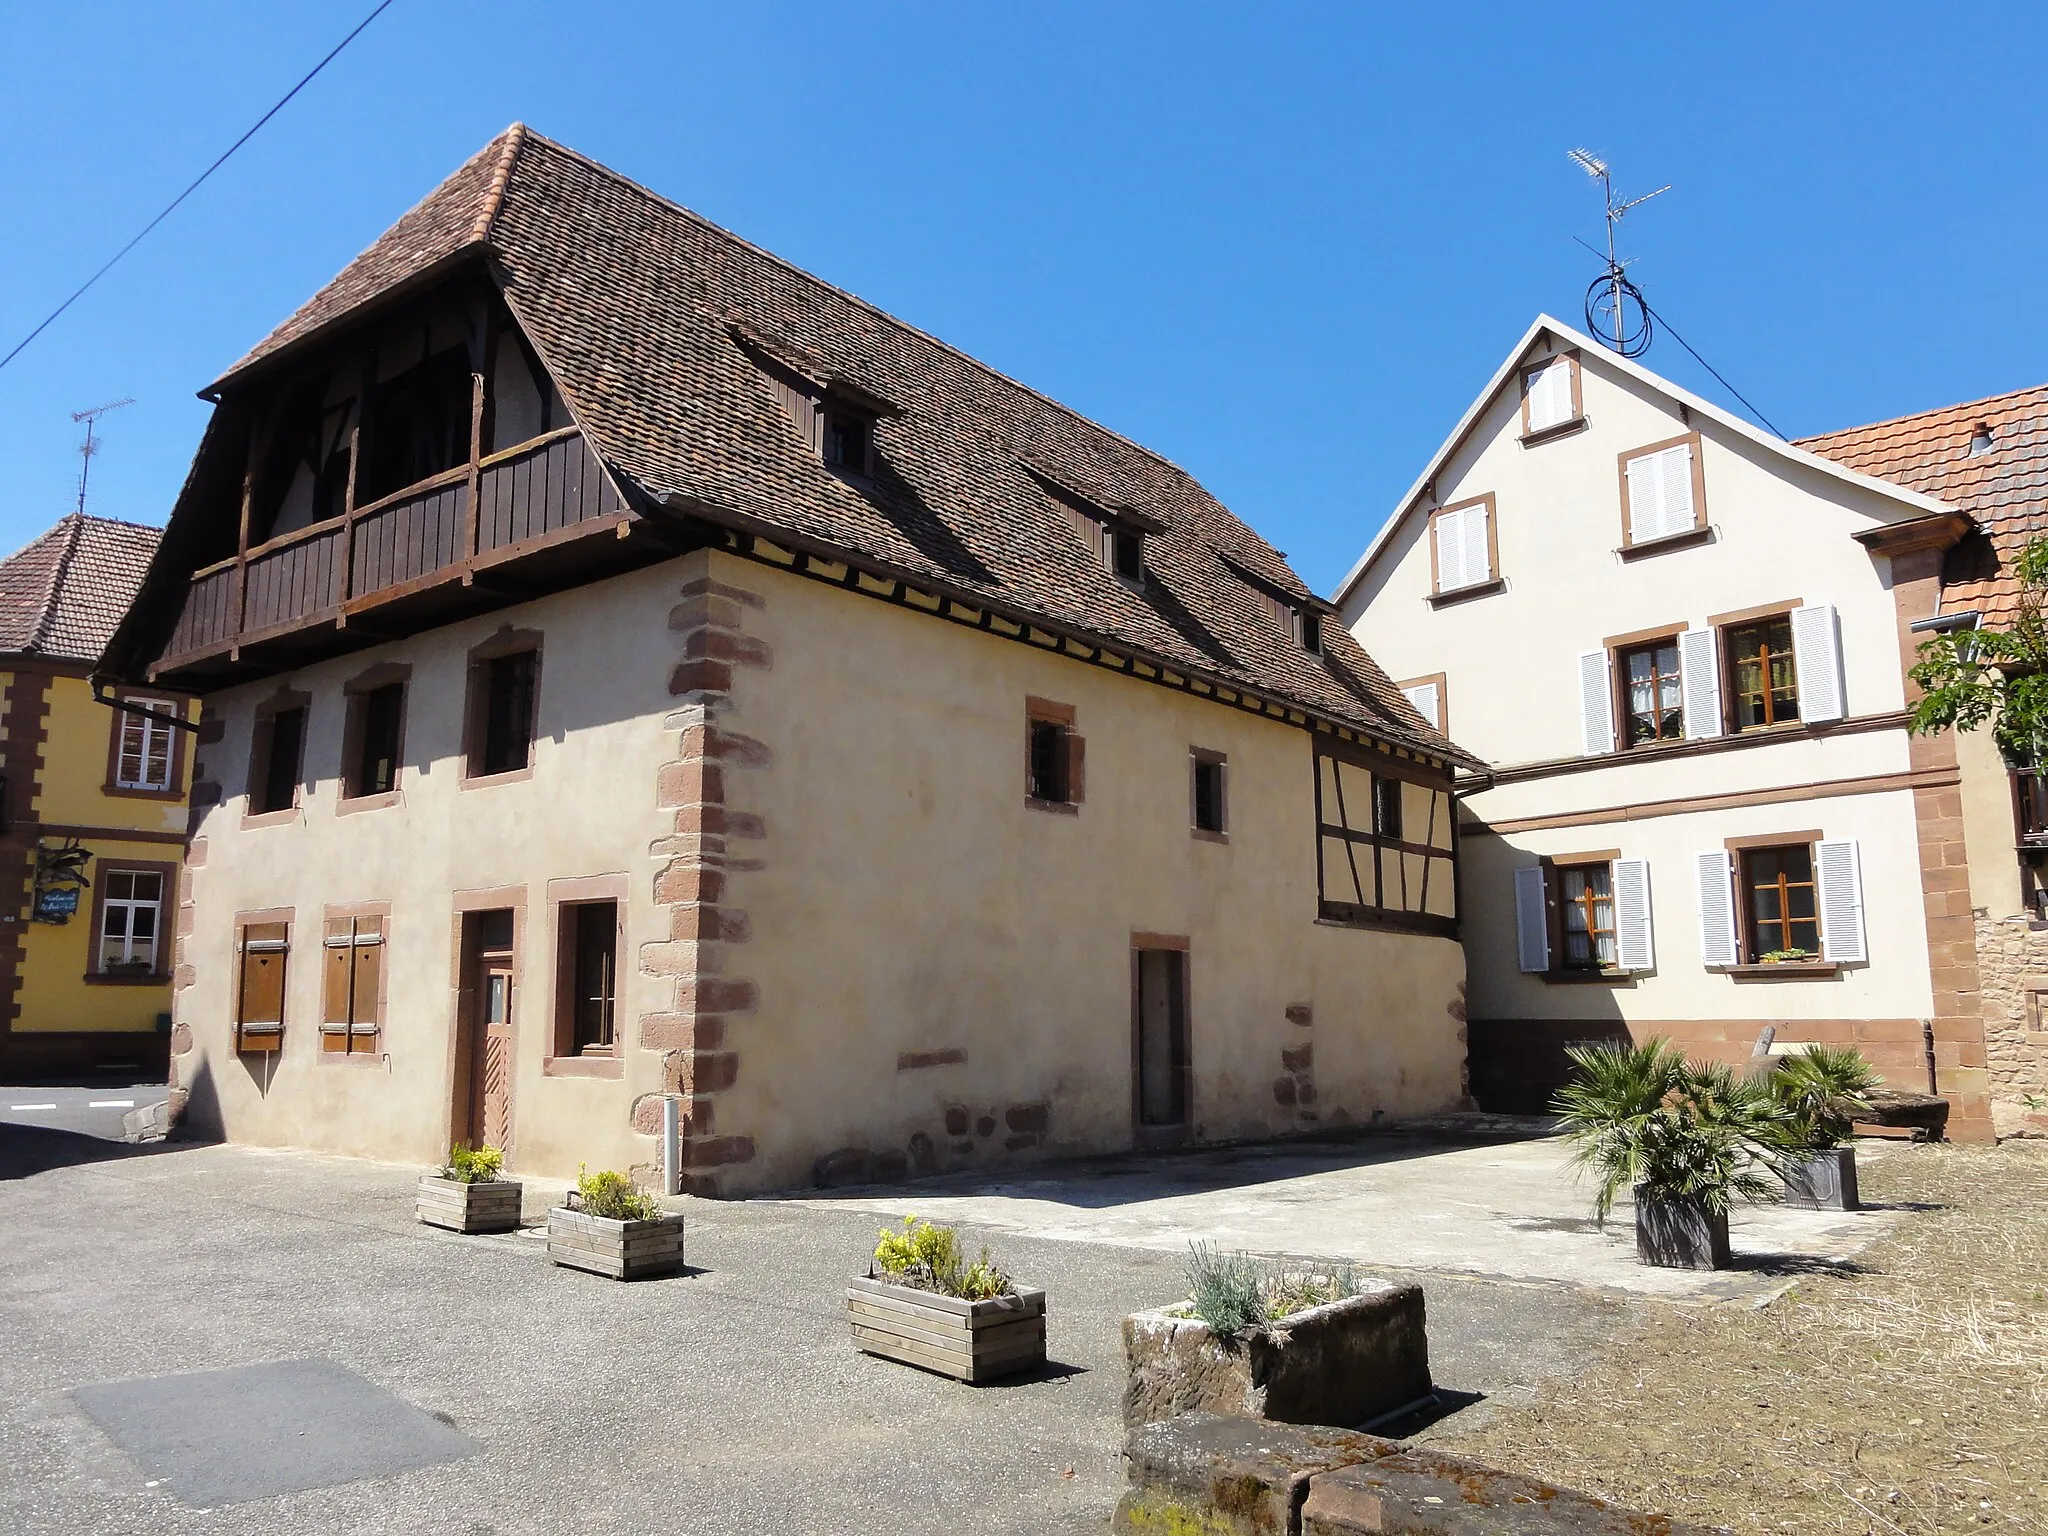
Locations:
{"points": [[93, 801]]}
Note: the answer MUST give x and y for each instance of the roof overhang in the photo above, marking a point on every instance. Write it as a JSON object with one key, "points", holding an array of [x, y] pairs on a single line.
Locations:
{"points": [[1937, 530], [1546, 325]]}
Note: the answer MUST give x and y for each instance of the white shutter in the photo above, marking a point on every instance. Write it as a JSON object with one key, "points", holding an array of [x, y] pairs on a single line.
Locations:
{"points": [[1717, 908], [1532, 920], [1838, 869], [1478, 545], [1550, 395], [1596, 704], [1450, 552], [1632, 948], [1424, 697], [1645, 516], [1674, 475], [1699, 679], [1660, 494], [1817, 656]]}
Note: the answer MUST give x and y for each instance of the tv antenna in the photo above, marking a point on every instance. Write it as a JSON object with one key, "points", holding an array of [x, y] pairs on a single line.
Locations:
{"points": [[91, 444], [1615, 312]]}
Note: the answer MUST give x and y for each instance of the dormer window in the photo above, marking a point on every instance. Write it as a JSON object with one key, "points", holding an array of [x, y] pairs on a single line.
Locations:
{"points": [[849, 441], [1311, 628], [1127, 554]]}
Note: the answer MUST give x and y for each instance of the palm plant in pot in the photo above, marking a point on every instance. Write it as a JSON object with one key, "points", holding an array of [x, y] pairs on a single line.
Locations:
{"points": [[1688, 1138], [1819, 1093]]}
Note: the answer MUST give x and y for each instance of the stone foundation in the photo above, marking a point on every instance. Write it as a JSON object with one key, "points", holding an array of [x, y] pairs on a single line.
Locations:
{"points": [[2012, 963]]}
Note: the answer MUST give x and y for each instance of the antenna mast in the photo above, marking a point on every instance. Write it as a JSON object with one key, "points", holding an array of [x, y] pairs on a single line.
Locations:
{"points": [[1607, 312], [91, 445]]}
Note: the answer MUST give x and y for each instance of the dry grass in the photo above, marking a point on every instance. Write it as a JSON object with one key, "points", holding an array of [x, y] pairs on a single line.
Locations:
{"points": [[1906, 1400]]}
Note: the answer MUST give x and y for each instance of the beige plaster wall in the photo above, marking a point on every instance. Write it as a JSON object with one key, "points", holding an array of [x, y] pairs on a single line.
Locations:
{"points": [[587, 809], [1989, 832], [909, 901]]}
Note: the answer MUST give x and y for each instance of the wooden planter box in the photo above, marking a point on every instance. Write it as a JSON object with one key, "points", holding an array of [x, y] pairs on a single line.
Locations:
{"points": [[625, 1250], [973, 1341], [1680, 1234], [1824, 1181], [488, 1207], [1346, 1363]]}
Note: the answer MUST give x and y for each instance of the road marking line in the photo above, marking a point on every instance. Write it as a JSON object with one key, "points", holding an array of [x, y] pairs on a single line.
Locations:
{"points": [[110, 1104], [31, 1106]]}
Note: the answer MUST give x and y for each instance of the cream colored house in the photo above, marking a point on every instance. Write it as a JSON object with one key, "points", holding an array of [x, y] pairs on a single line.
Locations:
{"points": [[1679, 643], [639, 675]]}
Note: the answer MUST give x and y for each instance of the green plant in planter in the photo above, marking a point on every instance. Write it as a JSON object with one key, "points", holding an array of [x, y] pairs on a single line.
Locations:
{"points": [[612, 1196], [1644, 1117], [1819, 1092], [1234, 1291], [473, 1165], [1787, 956], [927, 1257]]}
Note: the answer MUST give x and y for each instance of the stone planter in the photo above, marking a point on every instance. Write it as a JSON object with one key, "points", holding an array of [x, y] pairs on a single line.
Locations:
{"points": [[1680, 1234], [1347, 1363], [1823, 1181], [972, 1341], [625, 1250], [492, 1206]]}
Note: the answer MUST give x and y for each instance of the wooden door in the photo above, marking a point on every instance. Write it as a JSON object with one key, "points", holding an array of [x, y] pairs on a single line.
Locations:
{"points": [[1161, 1048], [491, 1093]]}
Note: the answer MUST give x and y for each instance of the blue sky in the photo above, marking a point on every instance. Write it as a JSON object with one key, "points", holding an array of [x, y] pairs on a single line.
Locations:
{"points": [[1282, 245]]}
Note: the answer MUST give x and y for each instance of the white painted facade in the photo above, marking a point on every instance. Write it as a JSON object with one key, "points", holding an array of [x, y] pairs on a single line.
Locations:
{"points": [[1502, 592]]}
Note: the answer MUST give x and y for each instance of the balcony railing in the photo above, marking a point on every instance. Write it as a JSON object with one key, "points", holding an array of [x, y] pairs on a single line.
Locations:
{"points": [[408, 540]]}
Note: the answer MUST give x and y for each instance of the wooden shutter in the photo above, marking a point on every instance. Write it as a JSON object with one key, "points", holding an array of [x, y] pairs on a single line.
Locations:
{"points": [[1717, 908], [1549, 390], [367, 1015], [1838, 872], [1817, 658], [259, 992], [1596, 704], [1077, 762], [1632, 946], [1532, 919], [1699, 680], [335, 974], [1424, 697]]}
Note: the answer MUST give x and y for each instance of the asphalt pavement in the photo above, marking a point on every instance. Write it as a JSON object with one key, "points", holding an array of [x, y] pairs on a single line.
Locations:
{"points": [[90, 1111]]}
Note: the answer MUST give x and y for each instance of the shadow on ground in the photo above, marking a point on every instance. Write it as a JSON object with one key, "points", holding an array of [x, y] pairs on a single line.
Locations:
{"points": [[27, 1150]]}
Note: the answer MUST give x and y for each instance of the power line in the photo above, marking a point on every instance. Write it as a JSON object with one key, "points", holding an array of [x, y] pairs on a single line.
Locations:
{"points": [[170, 207], [1759, 415]]}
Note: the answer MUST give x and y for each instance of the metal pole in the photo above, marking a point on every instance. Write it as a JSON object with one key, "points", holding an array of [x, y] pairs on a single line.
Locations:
{"points": [[672, 1145]]}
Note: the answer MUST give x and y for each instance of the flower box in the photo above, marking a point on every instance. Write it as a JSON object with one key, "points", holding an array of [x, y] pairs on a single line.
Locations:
{"points": [[489, 1206], [1345, 1363], [1680, 1234], [971, 1341], [624, 1250]]}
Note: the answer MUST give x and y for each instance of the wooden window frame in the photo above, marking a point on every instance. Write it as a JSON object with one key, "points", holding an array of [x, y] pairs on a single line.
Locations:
{"points": [[1437, 592], [359, 1047], [1554, 870], [263, 917], [1732, 723], [1576, 421], [355, 697], [564, 898], [1442, 683], [1619, 649], [1198, 759], [1354, 914], [167, 904], [1699, 530], [507, 642], [1163, 1135], [174, 789], [1042, 712], [261, 742], [1749, 946]]}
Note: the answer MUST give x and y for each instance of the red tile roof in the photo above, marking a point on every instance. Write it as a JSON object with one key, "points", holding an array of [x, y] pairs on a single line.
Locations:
{"points": [[2005, 487], [62, 596], [645, 313]]}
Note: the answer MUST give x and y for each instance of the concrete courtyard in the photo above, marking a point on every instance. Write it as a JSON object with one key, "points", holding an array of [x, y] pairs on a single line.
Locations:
{"points": [[416, 1381]]}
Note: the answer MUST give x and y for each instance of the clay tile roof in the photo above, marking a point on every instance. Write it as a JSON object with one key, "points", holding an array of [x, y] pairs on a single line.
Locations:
{"points": [[2005, 488], [655, 324], [62, 596]]}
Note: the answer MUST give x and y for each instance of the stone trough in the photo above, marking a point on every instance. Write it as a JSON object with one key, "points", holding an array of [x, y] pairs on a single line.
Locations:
{"points": [[1350, 1362]]}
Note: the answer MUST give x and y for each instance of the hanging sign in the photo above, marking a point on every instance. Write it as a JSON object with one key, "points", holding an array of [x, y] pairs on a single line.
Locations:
{"points": [[56, 903]]}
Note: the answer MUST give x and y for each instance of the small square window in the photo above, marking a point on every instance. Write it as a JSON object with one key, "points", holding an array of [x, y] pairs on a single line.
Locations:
{"points": [[1652, 698], [1209, 807], [280, 739], [1781, 913], [1049, 762], [1586, 899], [1128, 553], [379, 720], [145, 754], [507, 708], [849, 442], [1386, 808], [589, 943], [1764, 681], [1311, 632]]}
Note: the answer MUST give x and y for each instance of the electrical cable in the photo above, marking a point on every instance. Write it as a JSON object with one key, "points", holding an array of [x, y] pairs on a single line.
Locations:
{"points": [[304, 81], [1759, 415]]}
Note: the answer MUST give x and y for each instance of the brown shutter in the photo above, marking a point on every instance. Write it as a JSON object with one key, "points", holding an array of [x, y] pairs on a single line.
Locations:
{"points": [[260, 1004], [369, 971], [1077, 759], [334, 979]]}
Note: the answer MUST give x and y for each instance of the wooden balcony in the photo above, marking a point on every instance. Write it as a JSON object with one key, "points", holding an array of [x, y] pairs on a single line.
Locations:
{"points": [[473, 538]]}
